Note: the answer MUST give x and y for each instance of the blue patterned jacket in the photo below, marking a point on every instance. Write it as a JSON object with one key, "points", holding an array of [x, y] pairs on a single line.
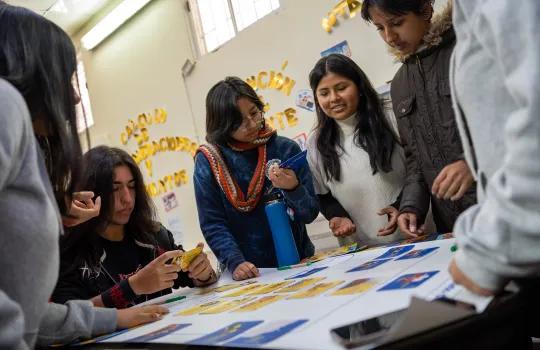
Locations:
{"points": [[235, 236]]}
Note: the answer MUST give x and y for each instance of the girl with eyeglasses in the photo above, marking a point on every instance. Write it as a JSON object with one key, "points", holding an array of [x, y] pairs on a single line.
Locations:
{"points": [[230, 180]]}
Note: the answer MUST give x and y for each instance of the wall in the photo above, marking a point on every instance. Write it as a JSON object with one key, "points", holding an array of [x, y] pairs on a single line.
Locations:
{"points": [[135, 71], [138, 69]]}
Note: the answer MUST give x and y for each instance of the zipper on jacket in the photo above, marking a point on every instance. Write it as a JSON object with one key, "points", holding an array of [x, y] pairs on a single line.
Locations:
{"points": [[421, 70]]}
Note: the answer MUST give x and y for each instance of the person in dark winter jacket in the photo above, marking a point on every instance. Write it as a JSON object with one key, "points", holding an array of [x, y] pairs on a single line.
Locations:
{"points": [[122, 257], [230, 179], [437, 173]]}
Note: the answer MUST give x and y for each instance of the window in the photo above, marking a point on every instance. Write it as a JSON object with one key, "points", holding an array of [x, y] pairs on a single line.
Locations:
{"points": [[218, 21], [84, 112]]}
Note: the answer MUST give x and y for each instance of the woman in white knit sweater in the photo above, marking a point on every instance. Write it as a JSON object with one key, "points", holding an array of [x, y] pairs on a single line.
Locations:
{"points": [[354, 155]]}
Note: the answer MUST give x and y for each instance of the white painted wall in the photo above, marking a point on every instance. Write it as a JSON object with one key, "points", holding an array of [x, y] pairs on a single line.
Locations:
{"points": [[138, 69]]}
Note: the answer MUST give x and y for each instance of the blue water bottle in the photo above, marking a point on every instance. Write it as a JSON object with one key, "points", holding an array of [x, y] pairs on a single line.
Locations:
{"points": [[278, 219]]}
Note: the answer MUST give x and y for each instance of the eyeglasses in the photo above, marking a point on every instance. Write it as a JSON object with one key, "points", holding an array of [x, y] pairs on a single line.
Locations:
{"points": [[257, 118]]}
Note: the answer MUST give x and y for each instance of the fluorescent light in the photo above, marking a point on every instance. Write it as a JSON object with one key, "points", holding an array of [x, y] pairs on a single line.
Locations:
{"points": [[111, 22]]}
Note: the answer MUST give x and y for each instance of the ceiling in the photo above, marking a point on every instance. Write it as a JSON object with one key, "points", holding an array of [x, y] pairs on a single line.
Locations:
{"points": [[71, 15]]}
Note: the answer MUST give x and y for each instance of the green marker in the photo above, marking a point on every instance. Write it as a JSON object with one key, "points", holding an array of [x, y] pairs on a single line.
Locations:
{"points": [[172, 300], [453, 248]]}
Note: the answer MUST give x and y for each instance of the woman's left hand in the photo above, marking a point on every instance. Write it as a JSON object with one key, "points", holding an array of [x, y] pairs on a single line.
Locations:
{"points": [[283, 178], [392, 214], [200, 268]]}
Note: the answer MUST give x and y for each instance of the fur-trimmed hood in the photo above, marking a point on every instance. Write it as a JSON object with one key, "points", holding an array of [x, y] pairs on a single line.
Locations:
{"points": [[440, 23]]}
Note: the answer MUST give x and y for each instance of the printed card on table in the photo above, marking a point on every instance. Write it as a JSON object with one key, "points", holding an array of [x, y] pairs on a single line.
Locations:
{"points": [[356, 287], [266, 333], [259, 303], [225, 287], [198, 309], [296, 286], [158, 333], [246, 290], [269, 288], [307, 273], [226, 305], [369, 265], [315, 290], [225, 333], [411, 280], [104, 337], [394, 252], [417, 253]]}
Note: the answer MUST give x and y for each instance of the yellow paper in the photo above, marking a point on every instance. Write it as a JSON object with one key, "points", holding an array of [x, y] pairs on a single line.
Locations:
{"points": [[185, 259], [300, 284], [246, 290], [257, 304], [225, 287], [198, 309], [270, 288], [355, 287], [315, 290], [226, 305]]}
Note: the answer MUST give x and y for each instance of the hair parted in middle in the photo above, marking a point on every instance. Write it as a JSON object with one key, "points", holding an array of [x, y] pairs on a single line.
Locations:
{"points": [[99, 165], [372, 132], [222, 114]]}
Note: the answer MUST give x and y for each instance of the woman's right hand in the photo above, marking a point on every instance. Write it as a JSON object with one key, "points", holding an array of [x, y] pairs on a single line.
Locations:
{"points": [[134, 316], [82, 208], [244, 271], [157, 275], [342, 226]]}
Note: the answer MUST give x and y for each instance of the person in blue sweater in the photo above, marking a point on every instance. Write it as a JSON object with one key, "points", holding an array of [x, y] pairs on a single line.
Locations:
{"points": [[230, 180]]}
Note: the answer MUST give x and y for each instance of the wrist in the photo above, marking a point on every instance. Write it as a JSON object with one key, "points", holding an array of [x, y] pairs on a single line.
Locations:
{"points": [[133, 283], [210, 278]]}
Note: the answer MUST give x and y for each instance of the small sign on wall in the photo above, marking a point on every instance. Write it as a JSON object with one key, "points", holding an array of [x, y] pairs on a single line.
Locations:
{"points": [[341, 48], [169, 201], [304, 100]]}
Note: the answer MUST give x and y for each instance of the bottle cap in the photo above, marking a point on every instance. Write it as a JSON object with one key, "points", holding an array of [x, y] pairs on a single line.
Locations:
{"points": [[274, 196]]}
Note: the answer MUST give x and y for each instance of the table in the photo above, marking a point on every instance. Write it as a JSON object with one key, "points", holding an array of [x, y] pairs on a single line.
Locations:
{"points": [[343, 289]]}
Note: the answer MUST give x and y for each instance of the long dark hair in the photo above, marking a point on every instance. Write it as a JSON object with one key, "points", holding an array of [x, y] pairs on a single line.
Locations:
{"points": [[396, 8], [371, 132], [39, 59], [222, 114], [99, 164]]}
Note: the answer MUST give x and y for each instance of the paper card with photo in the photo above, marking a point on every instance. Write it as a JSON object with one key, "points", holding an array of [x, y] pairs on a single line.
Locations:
{"points": [[158, 333], [296, 286], [246, 290], [198, 308], [358, 286], [266, 333], [225, 333], [305, 100], [411, 280], [269, 288], [307, 273], [259, 303], [369, 265], [225, 287], [226, 305], [395, 252], [316, 290], [341, 48], [417, 253]]}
